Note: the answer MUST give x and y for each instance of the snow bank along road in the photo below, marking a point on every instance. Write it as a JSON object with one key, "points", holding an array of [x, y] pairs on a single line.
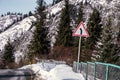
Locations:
{"points": [[41, 71], [52, 71]]}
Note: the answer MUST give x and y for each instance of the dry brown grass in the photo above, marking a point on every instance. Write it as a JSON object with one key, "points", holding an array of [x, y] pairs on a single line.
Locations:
{"points": [[61, 53]]}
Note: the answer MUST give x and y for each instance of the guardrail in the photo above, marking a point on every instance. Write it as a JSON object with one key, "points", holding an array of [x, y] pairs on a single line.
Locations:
{"points": [[97, 70], [16, 74]]}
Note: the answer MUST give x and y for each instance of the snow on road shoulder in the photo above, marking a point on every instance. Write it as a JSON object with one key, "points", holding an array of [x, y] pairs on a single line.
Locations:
{"points": [[65, 72], [51, 71]]}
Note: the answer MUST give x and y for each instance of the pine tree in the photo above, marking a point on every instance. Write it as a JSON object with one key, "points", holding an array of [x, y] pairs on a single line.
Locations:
{"points": [[108, 47], [8, 13], [8, 53], [53, 2], [80, 18], [80, 13], [64, 36], [57, 1], [118, 48], [25, 15], [30, 13], [40, 44], [2, 15], [20, 18], [94, 29]]}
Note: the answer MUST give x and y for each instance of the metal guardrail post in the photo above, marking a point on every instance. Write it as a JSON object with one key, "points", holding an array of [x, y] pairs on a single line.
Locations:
{"points": [[95, 71], [94, 68], [87, 71], [74, 66], [80, 67], [77, 66], [107, 66], [107, 70]]}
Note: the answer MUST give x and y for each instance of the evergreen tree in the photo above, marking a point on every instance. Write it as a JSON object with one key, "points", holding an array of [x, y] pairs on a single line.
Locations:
{"points": [[57, 1], [2, 15], [40, 43], [80, 18], [30, 13], [20, 18], [86, 2], [53, 2], [108, 48], [8, 53], [25, 15], [8, 13], [80, 13], [64, 36], [94, 30], [118, 48]]}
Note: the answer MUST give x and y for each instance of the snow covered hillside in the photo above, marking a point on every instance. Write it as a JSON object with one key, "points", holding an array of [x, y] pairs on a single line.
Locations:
{"points": [[52, 71], [107, 8], [7, 21], [20, 33]]}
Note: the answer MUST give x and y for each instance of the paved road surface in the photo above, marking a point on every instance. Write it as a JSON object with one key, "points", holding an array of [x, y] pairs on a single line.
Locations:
{"points": [[16, 74]]}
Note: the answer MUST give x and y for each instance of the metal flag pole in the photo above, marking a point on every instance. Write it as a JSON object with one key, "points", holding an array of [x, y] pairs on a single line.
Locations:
{"points": [[79, 52]]}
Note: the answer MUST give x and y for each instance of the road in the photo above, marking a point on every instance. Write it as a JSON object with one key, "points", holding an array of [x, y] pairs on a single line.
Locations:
{"points": [[16, 74]]}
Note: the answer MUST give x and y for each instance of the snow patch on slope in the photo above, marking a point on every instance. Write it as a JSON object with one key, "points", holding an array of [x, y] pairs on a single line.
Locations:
{"points": [[56, 10]]}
